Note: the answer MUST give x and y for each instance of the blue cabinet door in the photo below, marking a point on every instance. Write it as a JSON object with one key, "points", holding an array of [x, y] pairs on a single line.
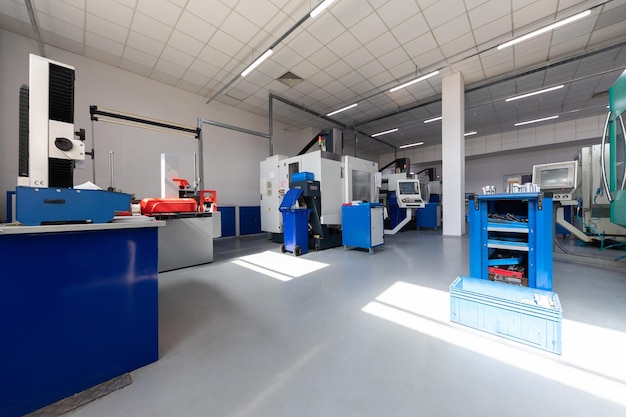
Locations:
{"points": [[249, 220], [228, 220]]}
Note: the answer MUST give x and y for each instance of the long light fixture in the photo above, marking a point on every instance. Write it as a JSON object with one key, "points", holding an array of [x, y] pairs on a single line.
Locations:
{"points": [[472, 133], [536, 120], [534, 93], [319, 9], [257, 62], [545, 29], [342, 109], [434, 119], [410, 145], [422, 78], [385, 132]]}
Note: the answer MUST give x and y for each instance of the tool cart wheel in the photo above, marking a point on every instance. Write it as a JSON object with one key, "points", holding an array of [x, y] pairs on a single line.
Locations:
{"points": [[282, 248], [297, 251]]}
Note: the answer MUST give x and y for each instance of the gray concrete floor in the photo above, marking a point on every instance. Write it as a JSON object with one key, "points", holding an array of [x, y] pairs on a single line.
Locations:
{"points": [[346, 333]]}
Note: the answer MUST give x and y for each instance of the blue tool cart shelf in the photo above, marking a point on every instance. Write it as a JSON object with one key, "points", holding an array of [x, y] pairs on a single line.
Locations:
{"points": [[510, 229], [362, 226]]}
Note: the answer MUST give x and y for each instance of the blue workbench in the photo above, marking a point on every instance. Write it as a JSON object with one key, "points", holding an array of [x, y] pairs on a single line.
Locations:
{"points": [[78, 306]]}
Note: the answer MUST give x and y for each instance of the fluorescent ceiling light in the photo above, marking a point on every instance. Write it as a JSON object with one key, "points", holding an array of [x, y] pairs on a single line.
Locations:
{"points": [[422, 78], [536, 120], [411, 145], [470, 133], [343, 109], [385, 132], [545, 29], [256, 63], [534, 93], [434, 119], [319, 9]]}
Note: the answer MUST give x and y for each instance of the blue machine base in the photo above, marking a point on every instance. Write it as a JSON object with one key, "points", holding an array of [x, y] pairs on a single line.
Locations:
{"points": [[36, 206], [77, 308]]}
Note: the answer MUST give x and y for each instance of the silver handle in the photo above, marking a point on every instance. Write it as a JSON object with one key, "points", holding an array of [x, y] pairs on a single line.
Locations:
{"points": [[602, 162], [624, 136]]}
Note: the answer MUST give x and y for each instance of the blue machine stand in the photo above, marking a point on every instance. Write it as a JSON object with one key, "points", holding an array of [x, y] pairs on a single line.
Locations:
{"points": [[362, 226]]}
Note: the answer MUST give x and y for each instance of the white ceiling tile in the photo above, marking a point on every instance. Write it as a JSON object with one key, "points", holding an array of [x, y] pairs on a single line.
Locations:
{"points": [[151, 28], [459, 48], [242, 29], [170, 68], [104, 44], [359, 57], [177, 56], [392, 15], [540, 56], [304, 69], [63, 12], [60, 28], [304, 44], [214, 57], [179, 3], [204, 69], [531, 46], [575, 29], [333, 87], [369, 28], [382, 44], [536, 15], [498, 30], [472, 4], [497, 57], [614, 32], [426, 3], [344, 44], [111, 11], [382, 80], [16, 10], [164, 77], [363, 88], [185, 43], [76, 3], [213, 12], [135, 67], [401, 70], [225, 43], [371, 69], [488, 12], [520, 4], [131, 4], [393, 58], [106, 28], [325, 29], [145, 44], [258, 13], [348, 15], [453, 29], [195, 27], [286, 56], [338, 68], [101, 56], [566, 48], [195, 78], [430, 60], [161, 10], [410, 29], [417, 47], [443, 11], [351, 79], [139, 57]]}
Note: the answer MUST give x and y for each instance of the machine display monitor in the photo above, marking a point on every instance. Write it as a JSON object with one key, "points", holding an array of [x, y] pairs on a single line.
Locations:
{"points": [[558, 175], [408, 187]]}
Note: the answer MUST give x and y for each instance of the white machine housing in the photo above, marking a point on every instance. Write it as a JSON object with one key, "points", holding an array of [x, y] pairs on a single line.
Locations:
{"points": [[44, 131], [562, 178], [342, 179]]}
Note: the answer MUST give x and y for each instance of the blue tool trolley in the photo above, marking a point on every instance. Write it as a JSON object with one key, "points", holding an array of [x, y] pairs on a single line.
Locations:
{"points": [[78, 307], [362, 226], [505, 230], [295, 224]]}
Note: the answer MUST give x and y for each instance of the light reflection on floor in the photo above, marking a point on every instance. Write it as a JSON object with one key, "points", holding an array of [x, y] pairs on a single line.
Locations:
{"points": [[592, 359], [283, 267]]}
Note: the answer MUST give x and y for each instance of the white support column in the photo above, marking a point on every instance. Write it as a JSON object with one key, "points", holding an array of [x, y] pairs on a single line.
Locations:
{"points": [[453, 155]]}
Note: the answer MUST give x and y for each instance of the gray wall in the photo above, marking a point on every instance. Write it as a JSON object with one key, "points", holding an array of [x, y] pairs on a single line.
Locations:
{"points": [[231, 158]]}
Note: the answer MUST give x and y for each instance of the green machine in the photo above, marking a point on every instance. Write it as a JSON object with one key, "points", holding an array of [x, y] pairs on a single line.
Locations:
{"points": [[615, 181]]}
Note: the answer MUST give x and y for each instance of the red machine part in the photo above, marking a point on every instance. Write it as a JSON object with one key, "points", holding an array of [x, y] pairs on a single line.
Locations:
{"points": [[152, 206], [182, 183], [208, 200]]}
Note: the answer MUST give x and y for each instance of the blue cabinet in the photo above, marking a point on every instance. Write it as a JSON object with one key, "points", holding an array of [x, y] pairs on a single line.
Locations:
{"points": [[362, 226], [249, 220], [228, 220], [511, 229]]}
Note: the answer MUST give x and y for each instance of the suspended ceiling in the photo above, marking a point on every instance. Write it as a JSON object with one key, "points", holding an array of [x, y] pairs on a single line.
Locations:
{"points": [[353, 52]]}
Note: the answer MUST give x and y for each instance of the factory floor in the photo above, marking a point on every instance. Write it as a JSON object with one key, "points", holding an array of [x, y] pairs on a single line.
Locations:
{"points": [[346, 333]]}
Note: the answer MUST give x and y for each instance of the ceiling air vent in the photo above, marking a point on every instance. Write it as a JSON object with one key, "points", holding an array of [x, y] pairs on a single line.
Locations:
{"points": [[290, 79]]}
